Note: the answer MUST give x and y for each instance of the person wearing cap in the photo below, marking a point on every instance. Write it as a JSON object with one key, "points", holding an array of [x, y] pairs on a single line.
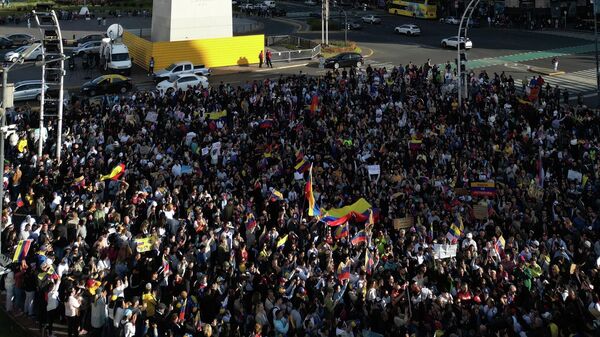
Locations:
{"points": [[149, 300]]}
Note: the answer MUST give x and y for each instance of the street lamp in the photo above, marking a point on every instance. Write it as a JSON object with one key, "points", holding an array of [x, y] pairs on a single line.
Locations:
{"points": [[345, 26], [595, 16]]}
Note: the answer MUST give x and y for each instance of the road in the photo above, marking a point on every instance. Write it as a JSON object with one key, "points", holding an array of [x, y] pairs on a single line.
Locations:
{"points": [[495, 50]]}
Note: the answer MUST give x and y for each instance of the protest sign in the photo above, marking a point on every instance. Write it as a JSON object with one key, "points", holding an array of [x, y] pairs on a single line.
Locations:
{"points": [[574, 175], [444, 251], [152, 116], [480, 211], [402, 223], [143, 244]]}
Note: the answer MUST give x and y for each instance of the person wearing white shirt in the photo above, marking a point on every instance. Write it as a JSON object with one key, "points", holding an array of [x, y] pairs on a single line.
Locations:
{"points": [[72, 312], [52, 306]]}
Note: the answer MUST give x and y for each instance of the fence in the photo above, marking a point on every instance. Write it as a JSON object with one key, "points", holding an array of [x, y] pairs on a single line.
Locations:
{"points": [[295, 48]]}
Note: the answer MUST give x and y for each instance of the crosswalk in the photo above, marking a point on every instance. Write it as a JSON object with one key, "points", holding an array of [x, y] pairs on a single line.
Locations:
{"points": [[583, 81]]}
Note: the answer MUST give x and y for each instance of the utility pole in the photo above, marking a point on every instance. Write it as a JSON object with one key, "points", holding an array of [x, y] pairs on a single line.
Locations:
{"points": [[5, 105], [327, 22], [322, 22], [345, 26]]}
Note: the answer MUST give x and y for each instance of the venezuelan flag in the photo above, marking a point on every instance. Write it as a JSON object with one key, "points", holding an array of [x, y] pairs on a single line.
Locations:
{"points": [[499, 245], [276, 195], [313, 208], [78, 182], [359, 211], [343, 272], [20, 202], [302, 165], [22, 250], [369, 262], [487, 188], [359, 237], [281, 242], [116, 173], [456, 230], [314, 103], [265, 124], [341, 232], [250, 221]]}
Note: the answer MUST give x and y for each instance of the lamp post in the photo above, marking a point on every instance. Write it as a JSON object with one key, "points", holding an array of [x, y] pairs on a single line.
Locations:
{"points": [[345, 26], [595, 16]]}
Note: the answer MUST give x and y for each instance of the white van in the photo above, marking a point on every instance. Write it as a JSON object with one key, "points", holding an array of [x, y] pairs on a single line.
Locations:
{"points": [[114, 57], [270, 4]]}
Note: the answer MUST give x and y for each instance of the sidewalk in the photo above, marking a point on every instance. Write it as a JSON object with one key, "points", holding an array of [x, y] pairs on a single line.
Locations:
{"points": [[23, 326]]}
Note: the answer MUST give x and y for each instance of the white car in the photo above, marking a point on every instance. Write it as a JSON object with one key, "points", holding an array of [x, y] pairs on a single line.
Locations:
{"points": [[92, 47], [452, 42], [371, 19], [261, 7], [247, 6], [28, 90], [408, 30], [183, 82], [310, 3], [450, 20], [13, 56]]}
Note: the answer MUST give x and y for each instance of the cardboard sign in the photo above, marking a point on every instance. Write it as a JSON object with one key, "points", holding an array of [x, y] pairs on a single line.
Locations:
{"points": [[205, 151], [374, 169], [143, 244], [461, 191], [403, 223], [444, 251], [480, 212]]}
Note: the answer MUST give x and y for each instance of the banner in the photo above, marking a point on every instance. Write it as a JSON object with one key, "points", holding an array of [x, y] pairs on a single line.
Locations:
{"points": [[402, 223], [216, 115], [487, 188], [444, 251], [575, 175], [144, 244]]}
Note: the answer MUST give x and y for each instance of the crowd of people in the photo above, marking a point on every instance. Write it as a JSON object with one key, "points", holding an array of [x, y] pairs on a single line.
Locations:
{"points": [[185, 214]]}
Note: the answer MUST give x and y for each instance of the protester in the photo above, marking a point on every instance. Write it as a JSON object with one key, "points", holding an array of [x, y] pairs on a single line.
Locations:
{"points": [[185, 213]]}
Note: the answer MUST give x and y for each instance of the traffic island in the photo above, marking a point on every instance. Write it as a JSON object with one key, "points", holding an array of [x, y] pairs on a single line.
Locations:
{"points": [[545, 71]]}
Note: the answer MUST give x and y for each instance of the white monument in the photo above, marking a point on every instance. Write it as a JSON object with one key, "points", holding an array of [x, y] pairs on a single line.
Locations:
{"points": [[177, 20]]}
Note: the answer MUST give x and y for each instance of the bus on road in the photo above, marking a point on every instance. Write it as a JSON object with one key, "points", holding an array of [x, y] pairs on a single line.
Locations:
{"points": [[421, 9]]}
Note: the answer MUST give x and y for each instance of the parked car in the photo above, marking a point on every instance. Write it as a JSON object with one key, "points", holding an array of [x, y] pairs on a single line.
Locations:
{"points": [[13, 56], [89, 38], [261, 7], [107, 84], [21, 39], [408, 30], [28, 90], [452, 42], [183, 82], [355, 25], [5, 43], [180, 68], [344, 60], [92, 47], [372, 19], [269, 3], [451, 20], [247, 6]]}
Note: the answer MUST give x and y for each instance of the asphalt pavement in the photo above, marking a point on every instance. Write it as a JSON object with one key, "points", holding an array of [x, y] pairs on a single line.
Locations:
{"points": [[495, 50]]}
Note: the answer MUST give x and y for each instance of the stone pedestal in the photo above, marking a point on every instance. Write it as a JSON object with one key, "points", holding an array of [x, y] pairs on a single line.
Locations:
{"points": [[179, 20]]}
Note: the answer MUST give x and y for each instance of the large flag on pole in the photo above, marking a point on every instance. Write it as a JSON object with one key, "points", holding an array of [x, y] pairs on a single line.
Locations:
{"points": [[313, 208]]}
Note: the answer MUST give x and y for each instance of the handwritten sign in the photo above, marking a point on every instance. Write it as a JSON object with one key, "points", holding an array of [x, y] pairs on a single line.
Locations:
{"points": [[480, 211], [402, 223], [143, 244], [152, 117], [444, 251]]}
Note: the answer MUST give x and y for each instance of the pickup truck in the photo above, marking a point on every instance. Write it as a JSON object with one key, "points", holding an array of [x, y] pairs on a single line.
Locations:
{"points": [[180, 68]]}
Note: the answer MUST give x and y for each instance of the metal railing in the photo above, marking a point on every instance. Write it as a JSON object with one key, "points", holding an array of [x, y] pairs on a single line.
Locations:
{"points": [[294, 55], [292, 48]]}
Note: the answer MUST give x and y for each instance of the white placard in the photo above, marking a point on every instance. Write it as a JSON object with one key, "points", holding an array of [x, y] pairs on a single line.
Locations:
{"points": [[575, 175], [374, 169], [152, 116], [444, 251], [205, 151]]}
